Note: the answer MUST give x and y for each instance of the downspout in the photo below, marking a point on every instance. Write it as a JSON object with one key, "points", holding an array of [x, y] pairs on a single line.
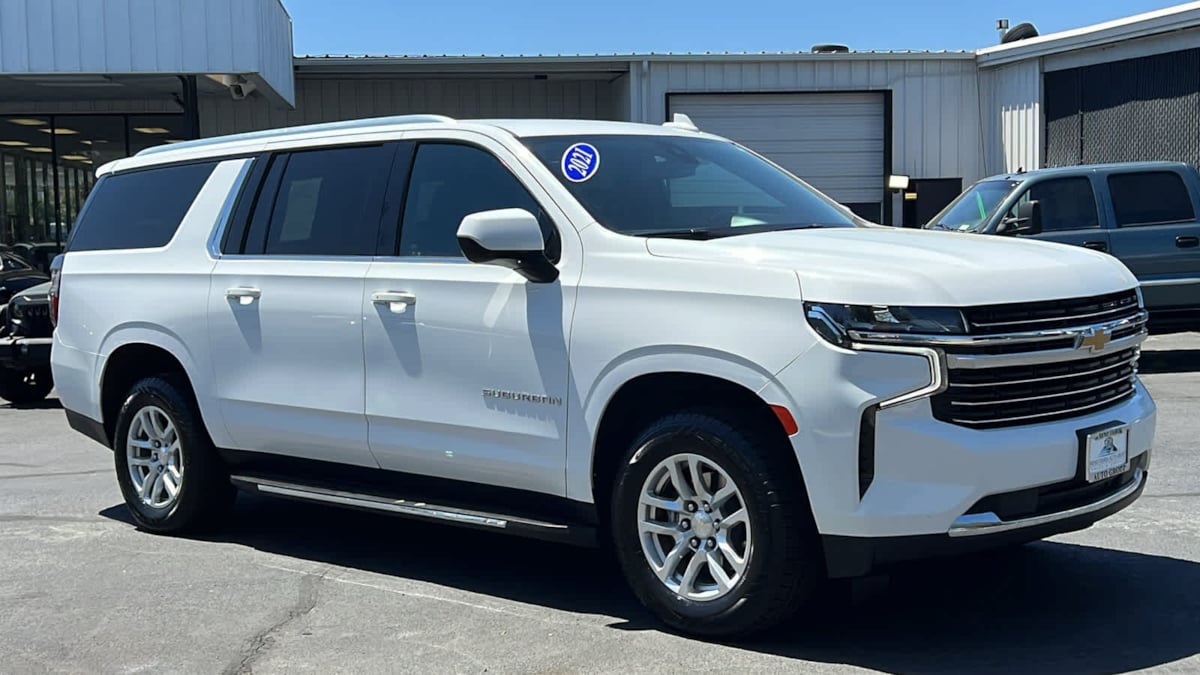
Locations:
{"points": [[645, 77]]}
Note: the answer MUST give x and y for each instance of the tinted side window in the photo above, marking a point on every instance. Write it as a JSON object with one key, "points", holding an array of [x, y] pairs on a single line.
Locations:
{"points": [[1150, 198], [450, 181], [329, 202], [1066, 204], [142, 209]]}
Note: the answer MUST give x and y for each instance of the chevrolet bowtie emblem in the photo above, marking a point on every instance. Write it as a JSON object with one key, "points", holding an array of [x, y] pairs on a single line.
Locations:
{"points": [[1094, 339]]}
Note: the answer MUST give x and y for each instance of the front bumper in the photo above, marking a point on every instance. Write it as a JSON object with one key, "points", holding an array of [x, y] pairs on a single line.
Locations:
{"points": [[924, 486], [25, 353], [860, 556]]}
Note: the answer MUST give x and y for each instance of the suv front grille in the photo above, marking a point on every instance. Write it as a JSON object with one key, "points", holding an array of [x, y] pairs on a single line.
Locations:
{"points": [[34, 321], [1034, 316], [983, 398]]}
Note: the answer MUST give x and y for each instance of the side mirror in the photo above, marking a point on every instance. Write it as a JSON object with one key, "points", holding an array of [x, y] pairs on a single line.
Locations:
{"points": [[509, 238], [1027, 221]]}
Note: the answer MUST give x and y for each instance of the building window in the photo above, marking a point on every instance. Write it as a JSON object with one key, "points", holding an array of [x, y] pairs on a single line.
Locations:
{"points": [[47, 169]]}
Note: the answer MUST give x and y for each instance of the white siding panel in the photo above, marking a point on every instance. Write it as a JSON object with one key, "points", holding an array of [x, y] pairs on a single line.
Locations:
{"points": [[91, 36], [935, 101], [245, 37], [832, 140], [39, 21], [66, 51], [1010, 97]]}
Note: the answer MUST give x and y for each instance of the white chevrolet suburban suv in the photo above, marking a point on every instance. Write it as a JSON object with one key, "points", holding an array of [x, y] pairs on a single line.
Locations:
{"points": [[638, 336]]}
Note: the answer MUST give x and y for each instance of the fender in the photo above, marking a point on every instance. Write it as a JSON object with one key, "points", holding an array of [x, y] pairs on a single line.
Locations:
{"points": [[584, 419], [158, 336]]}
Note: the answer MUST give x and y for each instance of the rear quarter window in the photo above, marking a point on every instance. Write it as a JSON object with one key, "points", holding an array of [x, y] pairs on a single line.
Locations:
{"points": [[141, 209], [1150, 198]]}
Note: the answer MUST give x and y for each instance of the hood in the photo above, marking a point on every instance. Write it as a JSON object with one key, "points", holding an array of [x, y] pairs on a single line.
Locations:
{"points": [[39, 293], [900, 266]]}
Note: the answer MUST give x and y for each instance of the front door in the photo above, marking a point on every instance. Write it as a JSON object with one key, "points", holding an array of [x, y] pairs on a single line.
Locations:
{"points": [[466, 364], [1069, 212], [285, 318]]}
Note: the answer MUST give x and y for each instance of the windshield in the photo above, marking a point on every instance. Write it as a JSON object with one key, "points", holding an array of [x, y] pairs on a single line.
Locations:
{"points": [[678, 186], [973, 208]]}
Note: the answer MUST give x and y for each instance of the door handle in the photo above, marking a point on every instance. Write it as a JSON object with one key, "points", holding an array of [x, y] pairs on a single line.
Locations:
{"points": [[1096, 245], [397, 301], [243, 294], [1187, 242]]}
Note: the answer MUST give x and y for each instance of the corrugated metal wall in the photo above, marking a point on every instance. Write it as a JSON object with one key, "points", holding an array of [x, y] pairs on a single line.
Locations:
{"points": [[1010, 98], [329, 99], [148, 36], [935, 100], [1133, 110]]}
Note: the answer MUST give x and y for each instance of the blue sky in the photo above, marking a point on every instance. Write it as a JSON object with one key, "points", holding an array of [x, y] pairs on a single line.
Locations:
{"points": [[624, 26]]}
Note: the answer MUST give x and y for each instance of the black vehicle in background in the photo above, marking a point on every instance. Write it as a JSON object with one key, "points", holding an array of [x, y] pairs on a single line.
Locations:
{"points": [[17, 274], [25, 337]]}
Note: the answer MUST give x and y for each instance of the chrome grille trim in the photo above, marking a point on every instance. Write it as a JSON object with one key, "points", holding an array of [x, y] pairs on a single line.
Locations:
{"points": [[1043, 379], [1044, 397], [1072, 412], [1012, 394], [1137, 320], [1034, 358]]}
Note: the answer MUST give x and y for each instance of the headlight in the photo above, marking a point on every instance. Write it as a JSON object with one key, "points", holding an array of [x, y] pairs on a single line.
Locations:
{"points": [[845, 324]]}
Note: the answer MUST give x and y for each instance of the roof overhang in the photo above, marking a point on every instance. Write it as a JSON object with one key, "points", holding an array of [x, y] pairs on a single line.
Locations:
{"points": [[84, 45], [1171, 19]]}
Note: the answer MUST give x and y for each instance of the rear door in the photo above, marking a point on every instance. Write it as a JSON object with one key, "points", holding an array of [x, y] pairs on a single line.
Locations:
{"points": [[285, 318], [1156, 235], [1070, 212]]}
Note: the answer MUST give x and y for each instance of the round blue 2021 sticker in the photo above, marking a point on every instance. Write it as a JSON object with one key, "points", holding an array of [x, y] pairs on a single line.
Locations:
{"points": [[580, 162]]}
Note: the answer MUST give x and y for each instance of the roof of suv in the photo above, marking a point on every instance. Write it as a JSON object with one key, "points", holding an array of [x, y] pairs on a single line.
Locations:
{"points": [[1090, 168], [254, 141]]}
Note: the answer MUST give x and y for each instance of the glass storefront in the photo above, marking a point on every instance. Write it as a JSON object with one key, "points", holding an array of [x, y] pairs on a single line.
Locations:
{"points": [[47, 168]]}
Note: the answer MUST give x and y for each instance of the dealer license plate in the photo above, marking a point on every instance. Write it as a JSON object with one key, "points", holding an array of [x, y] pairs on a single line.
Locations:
{"points": [[1106, 453]]}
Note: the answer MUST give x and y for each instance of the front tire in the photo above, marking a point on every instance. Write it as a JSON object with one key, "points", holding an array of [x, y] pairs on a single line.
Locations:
{"points": [[712, 526], [169, 472], [25, 387]]}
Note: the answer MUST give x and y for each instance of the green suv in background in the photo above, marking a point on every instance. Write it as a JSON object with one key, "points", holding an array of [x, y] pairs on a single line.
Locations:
{"points": [[1143, 213]]}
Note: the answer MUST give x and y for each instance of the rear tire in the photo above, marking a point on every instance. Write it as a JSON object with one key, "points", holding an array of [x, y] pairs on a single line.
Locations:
{"points": [[747, 477], [24, 387], [170, 475]]}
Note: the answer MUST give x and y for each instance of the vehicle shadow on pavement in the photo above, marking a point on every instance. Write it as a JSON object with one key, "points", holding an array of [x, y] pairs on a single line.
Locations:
{"points": [[1045, 607], [1169, 361], [44, 404]]}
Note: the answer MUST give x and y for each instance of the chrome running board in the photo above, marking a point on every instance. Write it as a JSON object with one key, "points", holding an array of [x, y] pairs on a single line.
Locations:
{"points": [[421, 510]]}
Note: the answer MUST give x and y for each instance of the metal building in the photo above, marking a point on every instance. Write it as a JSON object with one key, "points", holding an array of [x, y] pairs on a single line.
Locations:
{"points": [[83, 82]]}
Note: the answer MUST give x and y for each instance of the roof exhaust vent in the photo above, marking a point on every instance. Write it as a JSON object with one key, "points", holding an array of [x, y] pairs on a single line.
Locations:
{"points": [[830, 49], [1021, 31]]}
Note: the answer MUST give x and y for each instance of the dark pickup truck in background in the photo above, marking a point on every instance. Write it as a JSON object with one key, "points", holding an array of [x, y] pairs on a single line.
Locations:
{"points": [[1143, 213], [25, 336]]}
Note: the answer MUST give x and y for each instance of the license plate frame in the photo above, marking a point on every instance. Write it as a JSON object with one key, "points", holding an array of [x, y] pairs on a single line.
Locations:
{"points": [[1103, 452]]}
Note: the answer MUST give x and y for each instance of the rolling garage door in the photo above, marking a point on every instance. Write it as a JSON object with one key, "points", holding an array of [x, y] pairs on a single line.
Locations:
{"points": [[834, 141]]}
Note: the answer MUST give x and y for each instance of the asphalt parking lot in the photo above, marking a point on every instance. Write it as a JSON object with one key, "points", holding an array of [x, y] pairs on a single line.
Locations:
{"points": [[297, 588]]}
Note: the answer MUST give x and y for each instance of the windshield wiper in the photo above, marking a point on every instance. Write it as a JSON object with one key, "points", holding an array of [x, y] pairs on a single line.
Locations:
{"points": [[718, 233], [693, 233]]}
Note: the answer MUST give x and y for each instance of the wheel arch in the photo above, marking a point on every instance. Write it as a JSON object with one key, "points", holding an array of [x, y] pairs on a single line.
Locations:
{"points": [[133, 352], [630, 395]]}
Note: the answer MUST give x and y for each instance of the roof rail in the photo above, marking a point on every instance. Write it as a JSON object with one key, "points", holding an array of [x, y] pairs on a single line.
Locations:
{"points": [[307, 128]]}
